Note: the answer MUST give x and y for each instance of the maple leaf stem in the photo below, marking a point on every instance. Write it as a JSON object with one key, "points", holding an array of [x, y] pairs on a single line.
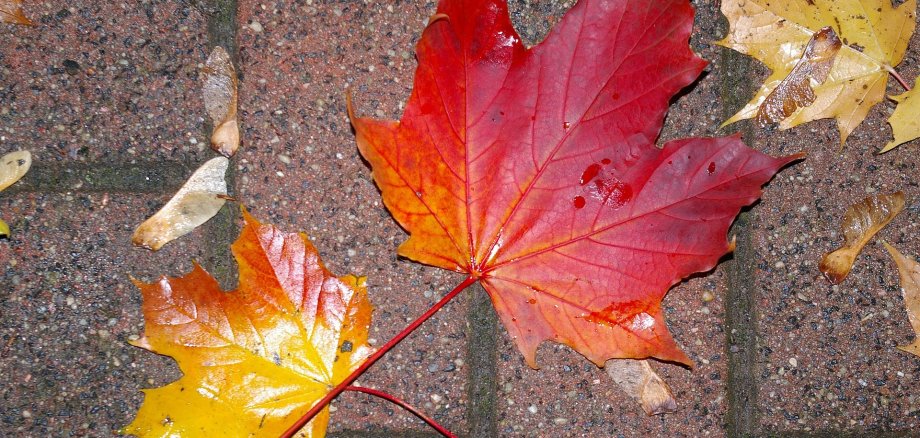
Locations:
{"points": [[374, 357], [897, 77], [384, 395]]}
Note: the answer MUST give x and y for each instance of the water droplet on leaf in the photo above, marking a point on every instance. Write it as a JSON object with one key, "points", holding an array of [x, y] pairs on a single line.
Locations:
{"points": [[589, 173]]}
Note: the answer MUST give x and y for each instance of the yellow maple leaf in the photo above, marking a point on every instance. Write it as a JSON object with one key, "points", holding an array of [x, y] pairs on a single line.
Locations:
{"points": [[257, 358], [776, 32], [909, 271], [905, 121]]}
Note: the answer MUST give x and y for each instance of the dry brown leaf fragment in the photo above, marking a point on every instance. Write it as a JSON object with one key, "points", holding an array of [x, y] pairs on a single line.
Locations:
{"points": [[860, 223], [11, 12], [198, 200], [909, 271], [220, 101], [795, 91], [639, 380], [13, 166]]}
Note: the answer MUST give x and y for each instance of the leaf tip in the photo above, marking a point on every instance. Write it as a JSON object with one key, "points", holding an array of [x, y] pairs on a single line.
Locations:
{"points": [[141, 342], [798, 156], [248, 219], [891, 250], [135, 281], [679, 357], [438, 17], [891, 145], [913, 348]]}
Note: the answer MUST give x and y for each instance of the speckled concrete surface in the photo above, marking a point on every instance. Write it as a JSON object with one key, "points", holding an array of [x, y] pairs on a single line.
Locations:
{"points": [[104, 81], [823, 356], [68, 308], [826, 355]]}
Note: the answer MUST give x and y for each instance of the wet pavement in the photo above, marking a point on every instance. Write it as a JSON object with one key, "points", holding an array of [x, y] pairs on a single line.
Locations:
{"points": [[107, 99]]}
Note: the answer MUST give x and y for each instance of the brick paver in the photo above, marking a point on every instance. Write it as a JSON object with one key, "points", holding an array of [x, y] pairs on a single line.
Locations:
{"points": [[106, 96]]}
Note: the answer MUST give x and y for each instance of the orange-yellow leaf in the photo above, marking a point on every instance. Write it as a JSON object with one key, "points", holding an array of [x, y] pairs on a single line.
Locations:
{"points": [[860, 223], [777, 31], [639, 380], [795, 90], [905, 120], [256, 358], [909, 271], [11, 12], [220, 99]]}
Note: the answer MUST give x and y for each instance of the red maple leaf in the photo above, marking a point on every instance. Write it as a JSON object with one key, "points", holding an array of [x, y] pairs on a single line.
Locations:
{"points": [[536, 171]]}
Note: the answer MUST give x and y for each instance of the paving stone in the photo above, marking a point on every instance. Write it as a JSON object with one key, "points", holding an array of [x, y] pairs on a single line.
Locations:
{"points": [[825, 355], [68, 308], [107, 99], [100, 81]]}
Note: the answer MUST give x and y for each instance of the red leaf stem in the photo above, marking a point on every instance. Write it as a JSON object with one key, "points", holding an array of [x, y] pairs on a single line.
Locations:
{"points": [[431, 422], [897, 77], [374, 357]]}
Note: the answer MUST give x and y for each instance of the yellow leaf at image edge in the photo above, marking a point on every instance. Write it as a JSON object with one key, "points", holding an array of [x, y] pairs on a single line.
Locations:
{"points": [[4, 229], [905, 121], [909, 271], [776, 32], [257, 358]]}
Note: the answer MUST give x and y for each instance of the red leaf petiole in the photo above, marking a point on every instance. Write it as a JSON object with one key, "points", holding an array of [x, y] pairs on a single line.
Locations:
{"points": [[897, 77], [374, 357], [434, 424]]}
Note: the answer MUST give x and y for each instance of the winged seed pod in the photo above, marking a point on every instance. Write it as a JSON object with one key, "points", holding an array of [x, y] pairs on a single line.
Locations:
{"points": [[195, 203], [13, 166], [795, 91], [220, 97], [860, 223], [639, 380]]}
